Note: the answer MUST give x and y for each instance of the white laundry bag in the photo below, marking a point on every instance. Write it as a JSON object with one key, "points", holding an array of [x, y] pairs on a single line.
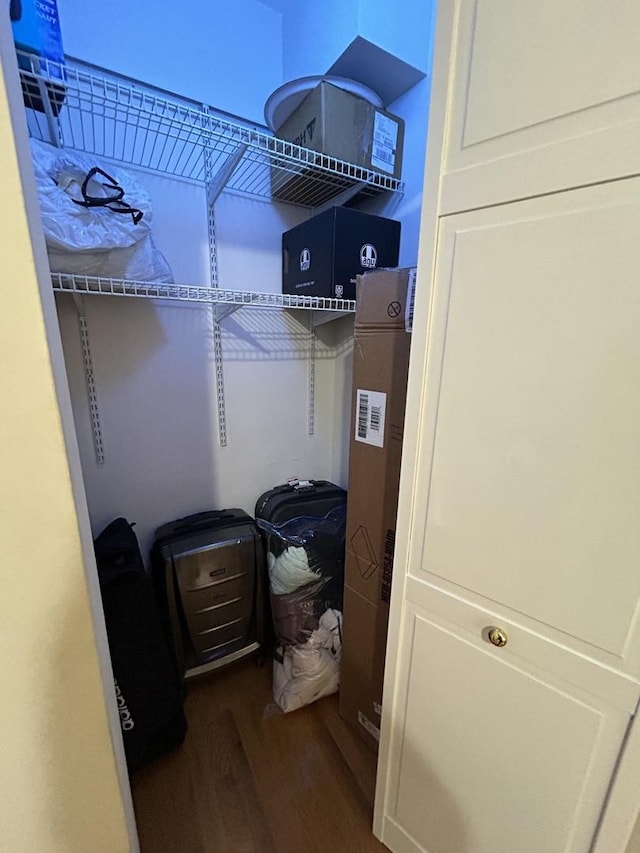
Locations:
{"points": [[96, 217]]}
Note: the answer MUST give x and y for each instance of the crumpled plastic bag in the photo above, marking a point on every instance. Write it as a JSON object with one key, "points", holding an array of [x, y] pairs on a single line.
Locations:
{"points": [[94, 241], [302, 674]]}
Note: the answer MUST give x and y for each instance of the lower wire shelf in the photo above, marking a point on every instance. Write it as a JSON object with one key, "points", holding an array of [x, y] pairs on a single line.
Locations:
{"points": [[90, 285], [224, 303]]}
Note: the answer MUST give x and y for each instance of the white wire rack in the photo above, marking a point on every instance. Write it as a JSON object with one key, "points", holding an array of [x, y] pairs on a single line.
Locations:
{"points": [[124, 120], [95, 111], [65, 283]]}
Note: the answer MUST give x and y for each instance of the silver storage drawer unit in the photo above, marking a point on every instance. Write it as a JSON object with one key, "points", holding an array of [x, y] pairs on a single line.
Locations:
{"points": [[209, 571]]}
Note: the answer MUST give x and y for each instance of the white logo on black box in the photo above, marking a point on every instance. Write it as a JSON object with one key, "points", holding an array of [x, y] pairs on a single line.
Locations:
{"points": [[305, 260], [339, 291], [368, 256]]}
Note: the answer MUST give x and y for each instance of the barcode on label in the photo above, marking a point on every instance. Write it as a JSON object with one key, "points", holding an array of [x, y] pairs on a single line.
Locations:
{"points": [[363, 415], [369, 417], [384, 144], [383, 154], [410, 300]]}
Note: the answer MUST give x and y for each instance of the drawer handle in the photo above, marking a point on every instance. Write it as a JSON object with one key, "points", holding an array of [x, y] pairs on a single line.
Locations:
{"points": [[498, 637]]}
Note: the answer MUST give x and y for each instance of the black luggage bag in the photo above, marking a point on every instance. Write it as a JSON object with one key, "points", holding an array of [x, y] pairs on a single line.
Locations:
{"points": [[208, 573], [314, 498], [147, 686]]}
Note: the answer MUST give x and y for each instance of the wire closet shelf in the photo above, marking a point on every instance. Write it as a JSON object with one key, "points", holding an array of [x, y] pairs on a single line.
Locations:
{"points": [[84, 285], [113, 117]]}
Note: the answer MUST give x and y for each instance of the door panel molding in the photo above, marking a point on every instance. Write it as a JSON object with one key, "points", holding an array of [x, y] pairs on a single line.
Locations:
{"points": [[530, 422], [564, 109], [460, 758]]}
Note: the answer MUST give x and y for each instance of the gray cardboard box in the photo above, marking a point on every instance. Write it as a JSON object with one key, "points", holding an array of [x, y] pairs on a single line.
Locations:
{"points": [[341, 125]]}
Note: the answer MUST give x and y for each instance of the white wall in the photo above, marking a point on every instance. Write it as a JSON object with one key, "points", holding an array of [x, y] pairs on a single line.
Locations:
{"points": [[403, 28], [63, 789], [315, 34], [413, 107], [226, 53]]}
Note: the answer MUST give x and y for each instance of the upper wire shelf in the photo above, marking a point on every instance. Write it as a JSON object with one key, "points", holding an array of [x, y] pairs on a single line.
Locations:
{"points": [[81, 284], [127, 121]]}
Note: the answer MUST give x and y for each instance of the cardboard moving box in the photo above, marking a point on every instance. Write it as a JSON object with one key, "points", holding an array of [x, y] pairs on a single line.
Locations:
{"points": [[323, 255], [339, 124], [384, 314]]}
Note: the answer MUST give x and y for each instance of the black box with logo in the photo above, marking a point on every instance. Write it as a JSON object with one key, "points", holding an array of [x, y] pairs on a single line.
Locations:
{"points": [[323, 256]]}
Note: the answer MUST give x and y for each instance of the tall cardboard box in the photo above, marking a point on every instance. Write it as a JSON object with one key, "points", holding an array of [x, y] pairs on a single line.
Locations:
{"points": [[380, 368]]}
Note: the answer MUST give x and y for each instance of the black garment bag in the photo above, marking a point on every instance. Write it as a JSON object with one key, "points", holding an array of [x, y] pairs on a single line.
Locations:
{"points": [[148, 689]]}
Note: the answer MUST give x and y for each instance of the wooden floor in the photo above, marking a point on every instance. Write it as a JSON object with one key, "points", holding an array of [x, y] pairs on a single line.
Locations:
{"points": [[250, 780]]}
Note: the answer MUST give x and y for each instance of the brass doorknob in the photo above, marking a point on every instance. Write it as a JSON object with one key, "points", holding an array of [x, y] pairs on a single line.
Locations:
{"points": [[498, 637]]}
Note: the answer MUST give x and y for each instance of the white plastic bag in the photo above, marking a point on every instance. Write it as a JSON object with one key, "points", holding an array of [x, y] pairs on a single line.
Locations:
{"points": [[94, 241], [304, 673], [140, 262]]}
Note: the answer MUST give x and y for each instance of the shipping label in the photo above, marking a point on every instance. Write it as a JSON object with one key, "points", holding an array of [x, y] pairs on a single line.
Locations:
{"points": [[370, 414], [385, 141], [408, 305]]}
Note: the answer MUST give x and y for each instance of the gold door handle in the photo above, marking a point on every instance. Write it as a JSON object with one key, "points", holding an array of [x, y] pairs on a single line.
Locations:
{"points": [[498, 637]]}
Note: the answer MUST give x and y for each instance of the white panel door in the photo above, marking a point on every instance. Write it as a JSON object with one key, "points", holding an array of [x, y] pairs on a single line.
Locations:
{"points": [[520, 489], [525, 514], [495, 755], [545, 96], [531, 497]]}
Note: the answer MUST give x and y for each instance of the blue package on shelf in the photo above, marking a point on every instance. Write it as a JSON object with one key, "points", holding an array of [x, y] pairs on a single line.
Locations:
{"points": [[36, 28], [37, 36]]}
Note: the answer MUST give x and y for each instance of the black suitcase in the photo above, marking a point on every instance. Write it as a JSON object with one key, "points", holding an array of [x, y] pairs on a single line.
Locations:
{"points": [[209, 576], [148, 690], [314, 499]]}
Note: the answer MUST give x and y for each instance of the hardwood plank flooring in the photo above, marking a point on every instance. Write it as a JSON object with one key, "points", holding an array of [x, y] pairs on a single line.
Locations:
{"points": [[249, 779]]}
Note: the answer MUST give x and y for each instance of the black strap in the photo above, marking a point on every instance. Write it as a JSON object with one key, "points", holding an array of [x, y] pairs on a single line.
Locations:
{"points": [[114, 202]]}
